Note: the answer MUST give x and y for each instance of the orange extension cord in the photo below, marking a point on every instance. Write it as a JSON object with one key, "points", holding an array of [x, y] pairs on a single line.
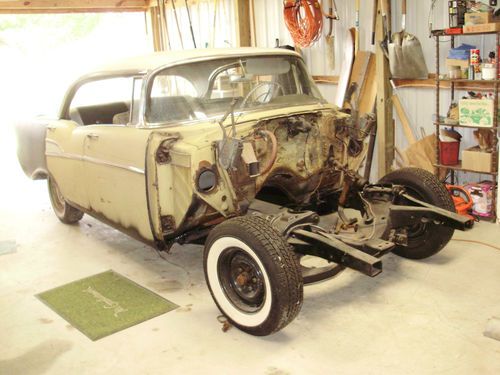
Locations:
{"points": [[304, 20], [477, 243]]}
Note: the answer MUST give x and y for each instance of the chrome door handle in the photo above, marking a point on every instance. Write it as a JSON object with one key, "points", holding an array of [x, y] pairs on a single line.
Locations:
{"points": [[92, 136]]}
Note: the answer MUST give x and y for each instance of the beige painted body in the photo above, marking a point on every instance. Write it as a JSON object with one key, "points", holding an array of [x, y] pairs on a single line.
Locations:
{"points": [[113, 172], [102, 168]]}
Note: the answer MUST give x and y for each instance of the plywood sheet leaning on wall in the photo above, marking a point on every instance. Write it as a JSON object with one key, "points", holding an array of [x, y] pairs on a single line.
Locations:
{"points": [[363, 75], [368, 93], [422, 154], [345, 72]]}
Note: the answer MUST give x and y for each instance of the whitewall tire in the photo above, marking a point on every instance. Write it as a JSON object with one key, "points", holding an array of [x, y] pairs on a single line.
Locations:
{"points": [[253, 275]]}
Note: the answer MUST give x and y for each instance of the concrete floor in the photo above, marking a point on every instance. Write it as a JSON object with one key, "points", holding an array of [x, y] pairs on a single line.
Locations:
{"points": [[424, 317]]}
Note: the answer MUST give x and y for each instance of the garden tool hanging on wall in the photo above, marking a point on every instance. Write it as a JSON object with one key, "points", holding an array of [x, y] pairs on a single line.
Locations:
{"points": [[356, 26], [190, 23], [406, 57], [214, 25], [374, 20], [177, 23], [330, 38]]}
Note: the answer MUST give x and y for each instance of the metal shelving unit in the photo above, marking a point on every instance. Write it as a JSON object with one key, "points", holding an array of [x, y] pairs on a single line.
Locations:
{"points": [[493, 84]]}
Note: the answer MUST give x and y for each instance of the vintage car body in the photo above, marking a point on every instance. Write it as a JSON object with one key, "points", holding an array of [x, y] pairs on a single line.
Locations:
{"points": [[206, 132], [90, 162]]}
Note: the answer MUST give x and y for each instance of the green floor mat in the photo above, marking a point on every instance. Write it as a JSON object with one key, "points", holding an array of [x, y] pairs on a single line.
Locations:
{"points": [[105, 303]]}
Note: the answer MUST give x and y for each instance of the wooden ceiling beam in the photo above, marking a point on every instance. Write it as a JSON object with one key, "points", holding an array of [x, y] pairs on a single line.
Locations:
{"points": [[72, 6]]}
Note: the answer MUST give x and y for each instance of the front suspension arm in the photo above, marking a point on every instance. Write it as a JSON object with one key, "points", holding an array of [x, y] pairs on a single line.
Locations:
{"points": [[338, 252]]}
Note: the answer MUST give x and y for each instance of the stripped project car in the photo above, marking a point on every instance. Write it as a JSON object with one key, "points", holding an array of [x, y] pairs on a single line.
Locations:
{"points": [[235, 149]]}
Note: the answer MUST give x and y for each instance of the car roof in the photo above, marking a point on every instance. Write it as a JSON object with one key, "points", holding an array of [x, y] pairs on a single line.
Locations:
{"points": [[140, 65], [156, 60]]}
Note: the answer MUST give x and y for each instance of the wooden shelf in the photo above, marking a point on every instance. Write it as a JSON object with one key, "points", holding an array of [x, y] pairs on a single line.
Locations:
{"points": [[443, 33], [462, 80], [458, 167], [464, 126], [460, 84], [429, 83]]}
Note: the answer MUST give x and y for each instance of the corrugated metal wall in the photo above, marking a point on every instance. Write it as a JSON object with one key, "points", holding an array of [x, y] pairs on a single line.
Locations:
{"points": [[419, 103], [202, 17]]}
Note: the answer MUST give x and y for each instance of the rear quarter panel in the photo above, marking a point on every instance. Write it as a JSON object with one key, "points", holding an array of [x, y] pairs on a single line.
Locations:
{"points": [[31, 147]]}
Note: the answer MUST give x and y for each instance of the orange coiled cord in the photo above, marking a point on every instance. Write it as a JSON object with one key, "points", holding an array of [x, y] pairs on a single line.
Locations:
{"points": [[304, 20]]}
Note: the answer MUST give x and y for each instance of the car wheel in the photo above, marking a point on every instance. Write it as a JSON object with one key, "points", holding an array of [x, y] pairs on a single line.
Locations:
{"points": [[424, 240], [253, 275], [64, 212]]}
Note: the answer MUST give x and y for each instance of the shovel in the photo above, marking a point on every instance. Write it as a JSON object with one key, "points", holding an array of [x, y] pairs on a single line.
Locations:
{"points": [[406, 58]]}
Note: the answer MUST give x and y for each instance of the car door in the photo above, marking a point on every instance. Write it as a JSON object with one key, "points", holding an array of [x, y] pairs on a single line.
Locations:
{"points": [[114, 158], [86, 102], [113, 164], [64, 154]]}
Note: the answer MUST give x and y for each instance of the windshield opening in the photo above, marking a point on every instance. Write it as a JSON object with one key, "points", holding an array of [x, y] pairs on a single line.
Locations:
{"points": [[203, 90]]}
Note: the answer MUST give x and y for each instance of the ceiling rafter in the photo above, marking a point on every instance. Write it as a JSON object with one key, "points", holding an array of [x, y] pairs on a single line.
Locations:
{"points": [[72, 6]]}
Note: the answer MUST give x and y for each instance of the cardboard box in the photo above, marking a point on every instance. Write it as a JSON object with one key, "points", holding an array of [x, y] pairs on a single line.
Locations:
{"points": [[476, 112], [478, 18], [486, 28], [463, 64], [476, 160]]}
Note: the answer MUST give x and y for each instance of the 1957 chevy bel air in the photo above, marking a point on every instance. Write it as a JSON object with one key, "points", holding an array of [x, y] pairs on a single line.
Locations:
{"points": [[235, 149]]}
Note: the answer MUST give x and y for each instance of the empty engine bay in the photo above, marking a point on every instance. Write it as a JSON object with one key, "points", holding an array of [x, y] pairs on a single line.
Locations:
{"points": [[299, 157]]}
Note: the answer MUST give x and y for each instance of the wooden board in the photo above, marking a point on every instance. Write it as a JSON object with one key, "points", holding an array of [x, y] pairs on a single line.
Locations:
{"points": [[345, 72], [368, 94], [359, 68], [358, 74], [410, 137], [243, 22], [72, 6], [486, 28], [334, 80], [153, 20], [385, 128]]}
